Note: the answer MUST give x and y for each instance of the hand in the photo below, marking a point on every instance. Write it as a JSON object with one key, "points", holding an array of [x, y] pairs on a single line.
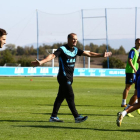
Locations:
{"points": [[35, 63], [107, 54], [135, 70]]}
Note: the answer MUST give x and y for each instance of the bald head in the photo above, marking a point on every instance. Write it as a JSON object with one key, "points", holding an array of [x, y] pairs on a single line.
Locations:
{"points": [[72, 40]]}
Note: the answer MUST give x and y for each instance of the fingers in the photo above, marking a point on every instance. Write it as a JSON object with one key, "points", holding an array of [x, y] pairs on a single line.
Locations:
{"points": [[35, 63], [107, 54]]}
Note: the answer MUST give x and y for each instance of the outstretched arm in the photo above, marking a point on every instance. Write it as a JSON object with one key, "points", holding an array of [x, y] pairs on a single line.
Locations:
{"points": [[48, 58], [93, 54]]}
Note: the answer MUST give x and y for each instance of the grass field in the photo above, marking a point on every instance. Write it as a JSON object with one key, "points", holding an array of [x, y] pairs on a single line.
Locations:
{"points": [[26, 106]]}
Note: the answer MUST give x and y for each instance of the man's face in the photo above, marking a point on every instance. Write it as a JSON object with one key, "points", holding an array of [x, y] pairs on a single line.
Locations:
{"points": [[138, 44], [72, 41], [2, 40]]}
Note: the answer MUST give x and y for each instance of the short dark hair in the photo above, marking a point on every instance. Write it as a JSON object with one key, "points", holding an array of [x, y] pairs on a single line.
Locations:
{"points": [[71, 34], [137, 39], [2, 32]]}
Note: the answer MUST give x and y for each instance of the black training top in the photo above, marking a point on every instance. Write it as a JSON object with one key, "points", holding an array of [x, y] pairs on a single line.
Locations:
{"points": [[67, 59]]}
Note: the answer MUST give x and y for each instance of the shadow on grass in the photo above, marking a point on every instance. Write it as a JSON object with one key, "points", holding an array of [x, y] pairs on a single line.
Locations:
{"points": [[82, 128], [29, 121], [97, 105], [71, 114], [21, 121]]}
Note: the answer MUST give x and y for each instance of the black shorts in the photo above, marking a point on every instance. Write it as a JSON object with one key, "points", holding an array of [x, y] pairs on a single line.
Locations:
{"points": [[130, 78]]}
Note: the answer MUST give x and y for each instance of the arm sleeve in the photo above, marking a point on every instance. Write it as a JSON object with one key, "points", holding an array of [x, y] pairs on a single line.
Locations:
{"points": [[80, 52], [58, 52], [131, 54]]}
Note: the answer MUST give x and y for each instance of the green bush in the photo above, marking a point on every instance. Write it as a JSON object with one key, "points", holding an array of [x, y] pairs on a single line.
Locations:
{"points": [[25, 62], [7, 57], [114, 63]]}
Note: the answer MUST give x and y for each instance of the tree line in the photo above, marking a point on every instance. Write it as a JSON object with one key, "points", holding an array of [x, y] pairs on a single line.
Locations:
{"points": [[22, 55]]}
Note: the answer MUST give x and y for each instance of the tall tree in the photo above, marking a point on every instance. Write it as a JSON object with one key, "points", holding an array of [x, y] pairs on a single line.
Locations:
{"points": [[7, 58], [11, 48]]}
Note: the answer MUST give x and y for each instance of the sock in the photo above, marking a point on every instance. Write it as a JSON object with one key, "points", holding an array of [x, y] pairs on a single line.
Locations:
{"points": [[127, 106], [124, 113], [123, 101], [136, 101]]}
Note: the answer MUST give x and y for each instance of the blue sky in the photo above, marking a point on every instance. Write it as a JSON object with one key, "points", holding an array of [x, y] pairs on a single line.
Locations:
{"points": [[18, 17]]}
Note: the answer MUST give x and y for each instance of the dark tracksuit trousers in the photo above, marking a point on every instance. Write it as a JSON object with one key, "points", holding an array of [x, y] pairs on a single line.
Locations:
{"points": [[65, 92]]}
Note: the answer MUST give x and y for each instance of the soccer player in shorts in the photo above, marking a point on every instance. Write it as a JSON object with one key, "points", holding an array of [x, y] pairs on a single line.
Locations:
{"points": [[3, 34], [131, 69], [67, 58], [134, 107]]}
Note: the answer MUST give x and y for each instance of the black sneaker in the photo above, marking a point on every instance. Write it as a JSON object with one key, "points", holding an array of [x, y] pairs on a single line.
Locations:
{"points": [[55, 119], [80, 119]]}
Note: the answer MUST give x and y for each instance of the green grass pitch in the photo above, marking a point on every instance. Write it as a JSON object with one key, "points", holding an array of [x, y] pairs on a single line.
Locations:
{"points": [[26, 106]]}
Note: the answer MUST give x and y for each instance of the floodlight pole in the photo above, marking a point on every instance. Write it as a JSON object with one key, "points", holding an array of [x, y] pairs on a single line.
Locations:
{"points": [[106, 36], [135, 22], [95, 39], [37, 33], [83, 38]]}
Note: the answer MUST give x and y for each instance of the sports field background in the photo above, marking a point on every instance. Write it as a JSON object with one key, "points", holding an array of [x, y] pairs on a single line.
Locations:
{"points": [[26, 106]]}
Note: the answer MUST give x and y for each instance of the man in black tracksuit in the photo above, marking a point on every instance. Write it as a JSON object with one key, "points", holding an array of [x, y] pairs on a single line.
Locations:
{"points": [[67, 58]]}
